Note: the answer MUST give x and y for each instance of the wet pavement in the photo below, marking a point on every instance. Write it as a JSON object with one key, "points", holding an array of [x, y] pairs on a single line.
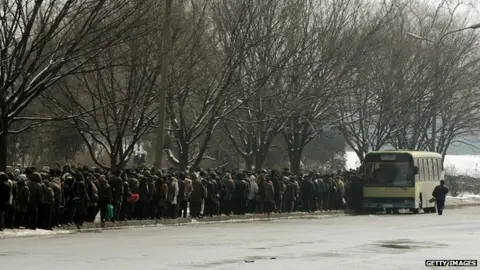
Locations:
{"points": [[350, 242]]}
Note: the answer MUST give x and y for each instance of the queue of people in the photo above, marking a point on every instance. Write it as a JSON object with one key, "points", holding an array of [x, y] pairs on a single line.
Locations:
{"points": [[51, 198]]}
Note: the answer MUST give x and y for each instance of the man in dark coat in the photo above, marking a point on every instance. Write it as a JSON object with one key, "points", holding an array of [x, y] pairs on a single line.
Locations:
{"points": [[307, 191], [196, 198], [211, 201], [105, 198], [56, 185], [116, 183], [34, 184], [228, 189], [320, 191], [440, 193], [79, 200], [356, 193], [22, 199], [239, 196], [276, 179], [4, 198], [289, 196]]}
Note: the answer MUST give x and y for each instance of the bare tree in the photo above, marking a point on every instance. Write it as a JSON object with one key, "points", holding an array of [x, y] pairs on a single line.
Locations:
{"points": [[115, 104], [404, 81], [383, 89], [448, 89], [204, 73], [329, 49], [252, 128], [41, 42]]}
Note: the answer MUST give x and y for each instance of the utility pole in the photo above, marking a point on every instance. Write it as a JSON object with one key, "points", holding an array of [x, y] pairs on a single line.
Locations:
{"points": [[165, 57]]}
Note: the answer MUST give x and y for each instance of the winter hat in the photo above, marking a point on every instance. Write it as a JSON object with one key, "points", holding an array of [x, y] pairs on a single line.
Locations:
{"points": [[22, 178], [252, 178]]}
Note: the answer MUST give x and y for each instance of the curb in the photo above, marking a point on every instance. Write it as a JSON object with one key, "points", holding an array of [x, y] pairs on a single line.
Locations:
{"points": [[89, 227], [206, 220]]}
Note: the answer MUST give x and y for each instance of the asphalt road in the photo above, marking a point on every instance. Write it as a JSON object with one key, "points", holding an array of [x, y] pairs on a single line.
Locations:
{"points": [[351, 242]]}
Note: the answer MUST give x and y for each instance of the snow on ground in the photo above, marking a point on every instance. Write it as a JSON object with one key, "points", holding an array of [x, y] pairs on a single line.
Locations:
{"points": [[30, 233], [354, 242], [454, 164], [465, 197]]}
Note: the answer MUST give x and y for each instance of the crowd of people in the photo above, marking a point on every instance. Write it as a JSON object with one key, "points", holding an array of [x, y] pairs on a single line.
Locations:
{"points": [[50, 198]]}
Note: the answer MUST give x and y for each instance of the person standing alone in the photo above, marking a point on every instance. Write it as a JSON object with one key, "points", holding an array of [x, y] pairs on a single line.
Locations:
{"points": [[440, 193]]}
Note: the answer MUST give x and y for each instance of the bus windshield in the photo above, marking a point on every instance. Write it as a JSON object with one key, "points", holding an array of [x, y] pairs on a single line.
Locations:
{"points": [[390, 174]]}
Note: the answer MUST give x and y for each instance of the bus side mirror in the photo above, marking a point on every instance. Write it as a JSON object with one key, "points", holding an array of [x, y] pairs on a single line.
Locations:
{"points": [[415, 170]]}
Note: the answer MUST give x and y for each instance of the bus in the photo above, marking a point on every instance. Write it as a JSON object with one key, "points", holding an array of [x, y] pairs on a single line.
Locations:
{"points": [[401, 179]]}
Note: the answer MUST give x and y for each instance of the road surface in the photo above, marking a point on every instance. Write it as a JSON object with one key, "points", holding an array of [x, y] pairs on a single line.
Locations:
{"points": [[352, 242]]}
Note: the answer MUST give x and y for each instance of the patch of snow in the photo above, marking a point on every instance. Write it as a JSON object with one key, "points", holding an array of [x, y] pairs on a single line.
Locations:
{"points": [[30, 233], [465, 197]]}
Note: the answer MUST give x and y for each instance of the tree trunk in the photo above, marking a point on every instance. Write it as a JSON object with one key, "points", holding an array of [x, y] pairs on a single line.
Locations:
{"points": [[295, 158], [113, 163], [3, 148], [259, 160], [248, 161], [183, 156]]}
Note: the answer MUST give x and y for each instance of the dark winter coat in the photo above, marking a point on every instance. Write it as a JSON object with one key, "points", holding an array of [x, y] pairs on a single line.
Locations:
{"points": [[151, 188], [48, 194], [173, 191], [211, 189], [105, 193], [55, 185], [289, 193], [277, 185], [269, 192], [181, 190], [116, 184], [241, 190], [162, 193], [4, 195], [228, 187], [440, 193], [143, 189], [34, 184], [23, 197], [134, 184], [161, 190], [319, 188], [198, 192], [79, 194], [307, 189]]}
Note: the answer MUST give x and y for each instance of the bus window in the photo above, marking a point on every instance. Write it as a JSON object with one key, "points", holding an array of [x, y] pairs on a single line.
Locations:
{"points": [[428, 168], [436, 171], [421, 169], [439, 168], [417, 177], [389, 173], [426, 173]]}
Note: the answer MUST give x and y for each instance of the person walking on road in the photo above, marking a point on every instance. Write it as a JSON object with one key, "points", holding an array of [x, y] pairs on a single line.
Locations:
{"points": [[440, 193]]}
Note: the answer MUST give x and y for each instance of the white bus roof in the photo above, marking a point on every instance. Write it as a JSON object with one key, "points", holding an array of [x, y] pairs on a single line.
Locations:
{"points": [[414, 154]]}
